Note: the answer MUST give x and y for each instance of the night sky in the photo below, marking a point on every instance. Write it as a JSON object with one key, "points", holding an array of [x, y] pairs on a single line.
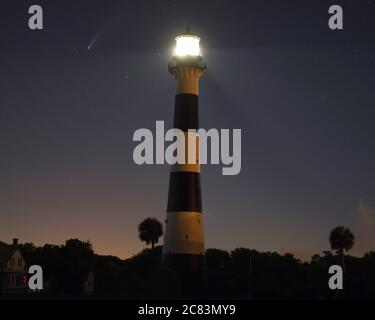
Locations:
{"points": [[302, 94]]}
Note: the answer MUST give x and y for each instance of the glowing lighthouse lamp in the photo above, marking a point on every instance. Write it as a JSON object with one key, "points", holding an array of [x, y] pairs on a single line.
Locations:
{"points": [[187, 45]]}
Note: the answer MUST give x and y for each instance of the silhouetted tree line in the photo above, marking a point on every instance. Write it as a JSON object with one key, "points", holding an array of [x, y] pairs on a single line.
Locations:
{"points": [[275, 276], [240, 273], [65, 267]]}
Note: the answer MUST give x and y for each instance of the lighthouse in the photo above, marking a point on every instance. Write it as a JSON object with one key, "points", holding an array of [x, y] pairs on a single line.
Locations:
{"points": [[183, 249]]}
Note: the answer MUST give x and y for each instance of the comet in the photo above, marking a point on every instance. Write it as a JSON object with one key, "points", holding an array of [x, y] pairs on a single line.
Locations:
{"points": [[98, 35], [95, 39]]}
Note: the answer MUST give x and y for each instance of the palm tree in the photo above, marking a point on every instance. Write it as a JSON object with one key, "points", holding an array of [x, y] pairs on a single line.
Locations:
{"points": [[150, 230], [341, 239]]}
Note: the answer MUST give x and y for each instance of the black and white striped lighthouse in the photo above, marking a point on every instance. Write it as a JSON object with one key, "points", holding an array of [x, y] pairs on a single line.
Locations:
{"points": [[183, 249]]}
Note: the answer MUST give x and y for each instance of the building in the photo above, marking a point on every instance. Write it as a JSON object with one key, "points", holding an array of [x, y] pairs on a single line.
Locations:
{"points": [[13, 273], [183, 249], [88, 284]]}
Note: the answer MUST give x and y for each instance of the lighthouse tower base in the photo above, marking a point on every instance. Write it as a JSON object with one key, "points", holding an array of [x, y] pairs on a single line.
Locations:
{"points": [[189, 272]]}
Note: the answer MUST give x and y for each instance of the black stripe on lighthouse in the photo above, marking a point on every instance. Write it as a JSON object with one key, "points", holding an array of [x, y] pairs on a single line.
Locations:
{"points": [[186, 112], [184, 192]]}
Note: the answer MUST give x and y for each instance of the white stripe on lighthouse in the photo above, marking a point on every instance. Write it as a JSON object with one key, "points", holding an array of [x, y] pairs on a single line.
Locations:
{"points": [[184, 233]]}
